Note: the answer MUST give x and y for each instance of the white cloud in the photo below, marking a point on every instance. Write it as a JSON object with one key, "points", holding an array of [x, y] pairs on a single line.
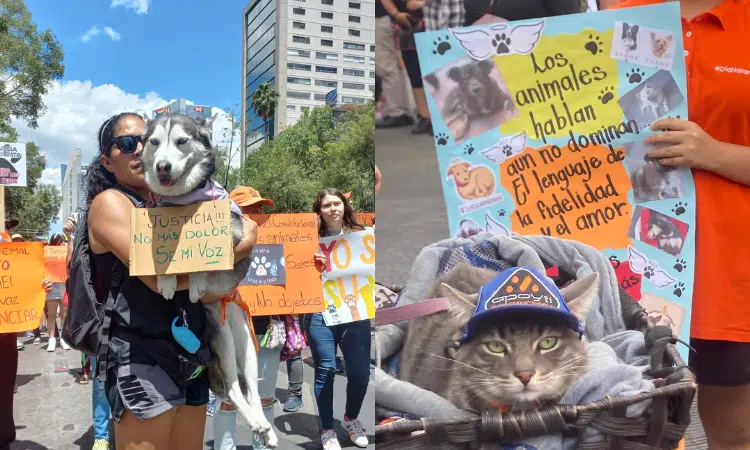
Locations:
{"points": [[139, 6], [51, 175], [91, 32], [112, 33]]}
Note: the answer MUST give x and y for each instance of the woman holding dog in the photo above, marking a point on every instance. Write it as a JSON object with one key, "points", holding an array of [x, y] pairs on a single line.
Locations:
{"points": [[150, 410], [715, 144], [336, 217]]}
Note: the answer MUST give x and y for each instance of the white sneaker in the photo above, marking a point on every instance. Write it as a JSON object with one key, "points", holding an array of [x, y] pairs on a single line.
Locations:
{"points": [[330, 440], [51, 344], [64, 344], [19, 344], [356, 432], [37, 340]]}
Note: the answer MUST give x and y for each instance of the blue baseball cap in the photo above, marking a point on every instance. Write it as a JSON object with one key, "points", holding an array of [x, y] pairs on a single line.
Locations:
{"points": [[520, 289]]}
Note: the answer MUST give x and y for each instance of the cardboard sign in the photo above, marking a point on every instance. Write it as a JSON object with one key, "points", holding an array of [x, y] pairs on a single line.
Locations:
{"points": [[540, 127], [21, 293], [349, 280], [54, 263], [366, 219], [302, 290], [181, 239]]}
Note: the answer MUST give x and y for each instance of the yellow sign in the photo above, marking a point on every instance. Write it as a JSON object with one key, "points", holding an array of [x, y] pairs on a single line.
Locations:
{"points": [[181, 239]]}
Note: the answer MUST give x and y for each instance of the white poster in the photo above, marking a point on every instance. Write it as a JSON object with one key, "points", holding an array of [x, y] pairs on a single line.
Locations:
{"points": [[12, 164]]}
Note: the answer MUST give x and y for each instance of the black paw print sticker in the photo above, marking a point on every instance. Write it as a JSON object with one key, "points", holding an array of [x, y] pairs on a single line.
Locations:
{"points": [[648, 272], [442, 139], [501, 213], [680, 265], [441, 46], [594, 45], [468, 149], [635, 76], [607, 95], [679, 290], [679, 208], [501, 44], [507, 150]]}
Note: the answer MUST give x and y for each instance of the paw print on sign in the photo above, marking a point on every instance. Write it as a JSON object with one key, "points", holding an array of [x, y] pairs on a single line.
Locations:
{"points": [[507, 149], [635, 76], [594, 45], [442, 139], [648, 272], [680, 265], [260, 265], [607, 95], [501, 43], [468, 149], [501, 213], [679, 208], [680, 289], [441, 46]]}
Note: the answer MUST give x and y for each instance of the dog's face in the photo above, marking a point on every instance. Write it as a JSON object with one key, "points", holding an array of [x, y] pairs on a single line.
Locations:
{"points": [[648, 93], [460, 172], [629, 35], [474, 78], [660, 44], [177, 154]]}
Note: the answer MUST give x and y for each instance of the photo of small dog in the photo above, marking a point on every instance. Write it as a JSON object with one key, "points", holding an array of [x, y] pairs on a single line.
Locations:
{"points": [[630, 37], [663, 312], [468, 228], [660, 44], [472, 97], [651, 181], [471, 182], [658, 230], [652, 99]]}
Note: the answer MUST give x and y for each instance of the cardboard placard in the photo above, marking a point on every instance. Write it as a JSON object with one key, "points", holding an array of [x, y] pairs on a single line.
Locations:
{"points": [[22, 295], [303, 288], [181, 239], [54, 263], [349, 280], [540, 128], [366, 219]]}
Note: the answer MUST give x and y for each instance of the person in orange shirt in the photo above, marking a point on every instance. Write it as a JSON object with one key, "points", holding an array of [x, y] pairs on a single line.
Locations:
{"points": [[715, 143]]}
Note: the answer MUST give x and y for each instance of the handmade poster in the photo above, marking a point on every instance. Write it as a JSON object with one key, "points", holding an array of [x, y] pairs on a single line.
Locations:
{"points": [[12, 164], [182, 239], [21, 293], [54, 263], [349, 280], [286, 281], [366, 219], [540, 127]]}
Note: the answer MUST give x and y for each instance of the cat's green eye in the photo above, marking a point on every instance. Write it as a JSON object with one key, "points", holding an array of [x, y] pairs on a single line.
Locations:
{"points": [[547, 343], [496, 347]]}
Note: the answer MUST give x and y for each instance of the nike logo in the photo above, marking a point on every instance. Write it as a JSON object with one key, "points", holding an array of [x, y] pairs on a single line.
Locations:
{"points": [[132, 391]]}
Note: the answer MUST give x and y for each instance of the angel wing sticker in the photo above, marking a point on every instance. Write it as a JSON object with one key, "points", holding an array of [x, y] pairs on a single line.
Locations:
{"points": [[494, 227], [506, 147], [640, 264], [497, 40]]}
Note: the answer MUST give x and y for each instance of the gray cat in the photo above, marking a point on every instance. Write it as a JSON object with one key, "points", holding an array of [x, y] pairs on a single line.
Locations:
{"points": [[525, 361]]}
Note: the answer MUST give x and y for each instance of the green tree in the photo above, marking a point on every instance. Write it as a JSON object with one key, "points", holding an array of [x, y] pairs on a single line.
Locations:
{"points": [[29, 62], [264, 101], [36, 205], [229, 146]]}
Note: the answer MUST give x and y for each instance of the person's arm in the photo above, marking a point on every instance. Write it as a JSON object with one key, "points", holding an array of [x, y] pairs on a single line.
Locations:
{"points": [[68, 229], [401, 18]]}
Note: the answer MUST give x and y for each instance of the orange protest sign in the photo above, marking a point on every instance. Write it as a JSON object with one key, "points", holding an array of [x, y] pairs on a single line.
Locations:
{"points": [[288, 285], [366, 219], [21, 293], [54, 263]]}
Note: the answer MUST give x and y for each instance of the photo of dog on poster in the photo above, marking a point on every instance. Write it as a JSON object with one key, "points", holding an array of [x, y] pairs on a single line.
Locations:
{"points": [[658, 230], [651, 99], [651, 181], [472, 97]]}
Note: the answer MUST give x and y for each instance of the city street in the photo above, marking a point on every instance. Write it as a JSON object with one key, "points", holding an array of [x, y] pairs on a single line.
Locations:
{"points": [[412, 215], [53, 412]]}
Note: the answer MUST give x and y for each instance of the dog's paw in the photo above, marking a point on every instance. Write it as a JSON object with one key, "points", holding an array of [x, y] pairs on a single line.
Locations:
{"points": [[259, 424], [167, 286], [270, 440], [198, 283]]}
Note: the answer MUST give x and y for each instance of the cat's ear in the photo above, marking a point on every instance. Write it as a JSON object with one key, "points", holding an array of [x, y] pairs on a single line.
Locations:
{"points": [[580, 295], [653, 36], [458, 300]]}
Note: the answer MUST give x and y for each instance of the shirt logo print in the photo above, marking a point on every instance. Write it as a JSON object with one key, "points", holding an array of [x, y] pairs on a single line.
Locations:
{"points": [[133, 393]]}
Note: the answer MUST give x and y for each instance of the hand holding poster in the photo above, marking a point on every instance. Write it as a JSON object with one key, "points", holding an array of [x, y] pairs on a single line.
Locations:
{"points": [[349, 280], [181, 239], [282, 278], [540, 127], [21, 293], [55, 268]]}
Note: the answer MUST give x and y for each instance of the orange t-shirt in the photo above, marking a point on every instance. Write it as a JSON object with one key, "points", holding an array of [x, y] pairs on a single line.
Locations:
{"points": [[718, 84]]}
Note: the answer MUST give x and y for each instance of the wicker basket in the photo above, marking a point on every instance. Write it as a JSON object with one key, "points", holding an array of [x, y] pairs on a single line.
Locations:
{"points": [[662, 427]]}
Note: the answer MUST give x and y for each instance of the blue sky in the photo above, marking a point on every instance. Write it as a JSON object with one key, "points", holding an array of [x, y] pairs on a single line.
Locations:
{"points": [[125, 55]]}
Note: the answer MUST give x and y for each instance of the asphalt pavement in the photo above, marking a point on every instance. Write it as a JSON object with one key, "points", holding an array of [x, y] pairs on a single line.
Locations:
{"points": [[53, 412]]}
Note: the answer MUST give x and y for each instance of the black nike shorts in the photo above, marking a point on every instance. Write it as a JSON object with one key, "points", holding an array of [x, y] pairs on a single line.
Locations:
{"points": [[147, 391], [720, 363]]}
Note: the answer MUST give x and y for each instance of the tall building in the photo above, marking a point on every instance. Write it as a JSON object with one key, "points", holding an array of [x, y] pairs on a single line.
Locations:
{"points": [[74, 187], [182, 107], [306, 48]]}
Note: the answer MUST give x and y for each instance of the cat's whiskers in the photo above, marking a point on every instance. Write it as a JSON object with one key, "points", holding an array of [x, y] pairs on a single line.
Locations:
{"points": [[457, 362]]}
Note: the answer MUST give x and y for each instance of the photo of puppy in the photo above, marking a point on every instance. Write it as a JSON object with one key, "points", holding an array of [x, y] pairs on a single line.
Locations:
{"points": [[471, 182], [472, 97], [651, 99], [468, 228], [660, 44], [629, 36], [651, 181], [658, 230], [663, 312]]}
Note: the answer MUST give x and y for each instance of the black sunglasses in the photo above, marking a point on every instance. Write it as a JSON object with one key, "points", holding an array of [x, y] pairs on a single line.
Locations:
{"points": [[127, 144]]}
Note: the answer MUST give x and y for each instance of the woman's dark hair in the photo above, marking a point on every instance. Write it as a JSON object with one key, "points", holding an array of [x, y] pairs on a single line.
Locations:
{"points": [[100, 179], [56, 239], [349, 221]]}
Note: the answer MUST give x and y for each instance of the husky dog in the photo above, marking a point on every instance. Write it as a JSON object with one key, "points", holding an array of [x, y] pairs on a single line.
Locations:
{"points": [[669, 238], [630, 36], [653, 181], [660, 44], [178, 162], [653, 100]]}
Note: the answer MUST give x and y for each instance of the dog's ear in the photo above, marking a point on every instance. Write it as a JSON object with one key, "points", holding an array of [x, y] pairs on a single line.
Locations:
{"points": [[625, 27], [634, 29], [455, 74], [486, 65], [206, 126], [669, 38], [653, 36]]}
